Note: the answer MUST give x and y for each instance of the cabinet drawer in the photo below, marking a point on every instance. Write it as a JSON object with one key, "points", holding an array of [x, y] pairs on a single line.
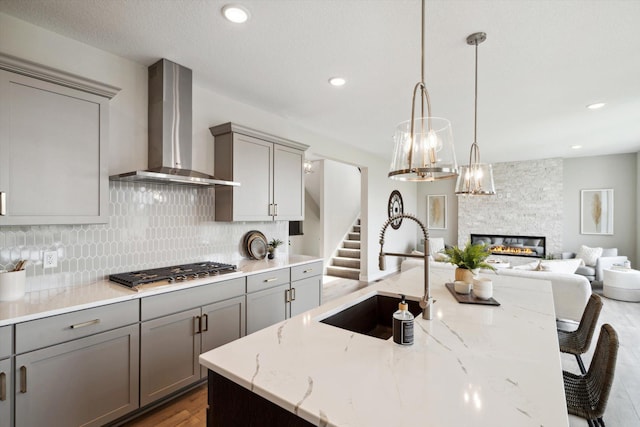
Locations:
{"points": [[65, 327], [258, 282], [185, 299], [6, 343], [300, 272]]}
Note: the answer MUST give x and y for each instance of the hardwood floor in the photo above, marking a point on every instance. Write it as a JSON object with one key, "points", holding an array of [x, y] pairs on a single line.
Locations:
{"points": [[623, 409]]}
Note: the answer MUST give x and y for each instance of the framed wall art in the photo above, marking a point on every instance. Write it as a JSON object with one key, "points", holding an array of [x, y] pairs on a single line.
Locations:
{"points": [[437, 212], [596, 211]]}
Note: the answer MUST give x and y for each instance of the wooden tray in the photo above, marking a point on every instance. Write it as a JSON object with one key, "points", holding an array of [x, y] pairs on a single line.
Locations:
{"points": [[470, 298]]}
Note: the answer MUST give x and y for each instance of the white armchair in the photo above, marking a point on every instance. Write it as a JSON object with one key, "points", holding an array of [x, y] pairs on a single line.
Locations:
{"points": [[594, 272]]}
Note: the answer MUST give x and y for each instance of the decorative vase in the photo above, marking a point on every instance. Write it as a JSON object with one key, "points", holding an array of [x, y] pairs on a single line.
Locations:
{"points": [[464, 275], [270, 255]]}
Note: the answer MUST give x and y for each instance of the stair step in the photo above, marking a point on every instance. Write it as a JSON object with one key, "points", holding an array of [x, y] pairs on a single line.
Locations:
{"points": [[356, 228], [351, 244], [349, 253], [346, 262], [354, 236], [345, 272]]}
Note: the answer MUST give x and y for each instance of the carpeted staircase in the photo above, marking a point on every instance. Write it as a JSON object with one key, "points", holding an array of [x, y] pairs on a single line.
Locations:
{"points": [[347, 262]]}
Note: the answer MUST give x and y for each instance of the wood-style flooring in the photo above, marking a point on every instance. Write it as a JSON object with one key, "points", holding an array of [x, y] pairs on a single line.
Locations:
{"points": [[623, 409]]}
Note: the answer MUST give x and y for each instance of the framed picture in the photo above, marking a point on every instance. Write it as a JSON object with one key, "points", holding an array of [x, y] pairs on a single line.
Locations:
{"points": [[596, 211], [437, 212]]}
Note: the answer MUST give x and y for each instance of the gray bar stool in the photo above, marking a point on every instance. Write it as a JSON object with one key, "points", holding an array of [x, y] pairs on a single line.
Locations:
{"points": [[577, 342], [587, 394]]}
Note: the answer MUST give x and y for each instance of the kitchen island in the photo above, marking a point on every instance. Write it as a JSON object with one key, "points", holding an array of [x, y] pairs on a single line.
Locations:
{"points": [[472, 365]]}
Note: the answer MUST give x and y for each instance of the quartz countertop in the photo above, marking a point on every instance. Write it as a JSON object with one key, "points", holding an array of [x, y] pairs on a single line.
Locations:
{"points": [[472, 365], [50, 302]]}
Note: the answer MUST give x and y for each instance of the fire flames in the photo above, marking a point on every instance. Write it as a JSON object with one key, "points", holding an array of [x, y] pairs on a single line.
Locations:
{"points": [[510, 250]]}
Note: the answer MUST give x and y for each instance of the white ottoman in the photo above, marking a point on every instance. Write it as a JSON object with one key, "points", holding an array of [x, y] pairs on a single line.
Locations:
{"points": [[622, 284]]}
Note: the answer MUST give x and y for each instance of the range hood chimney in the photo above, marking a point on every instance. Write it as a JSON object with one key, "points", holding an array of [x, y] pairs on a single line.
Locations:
{"points": [[170, 119]]}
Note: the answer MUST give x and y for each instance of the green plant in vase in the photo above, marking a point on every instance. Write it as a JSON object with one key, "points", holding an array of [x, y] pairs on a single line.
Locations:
{"points": [[273, 244], [469, 260]]}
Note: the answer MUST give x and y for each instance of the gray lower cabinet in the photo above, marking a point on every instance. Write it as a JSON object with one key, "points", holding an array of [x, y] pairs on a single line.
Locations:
{"points": [[305, 294], [171, 343], [266, 307], [88, 381], [169, 348], [5, 392], [277, 295]]}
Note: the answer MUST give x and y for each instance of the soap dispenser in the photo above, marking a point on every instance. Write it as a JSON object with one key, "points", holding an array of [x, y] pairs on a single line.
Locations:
{"points": [[403, 324]]}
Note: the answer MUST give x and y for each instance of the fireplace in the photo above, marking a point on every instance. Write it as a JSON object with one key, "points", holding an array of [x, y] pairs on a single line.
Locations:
{"points": [[513, 245]]}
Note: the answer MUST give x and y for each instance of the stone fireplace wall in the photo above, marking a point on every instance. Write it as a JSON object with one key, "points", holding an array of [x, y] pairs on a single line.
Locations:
{"points": [[529, 202]]}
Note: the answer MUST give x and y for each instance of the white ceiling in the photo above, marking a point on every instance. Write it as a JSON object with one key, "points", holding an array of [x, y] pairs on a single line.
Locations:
{"points": [[542, 63]]}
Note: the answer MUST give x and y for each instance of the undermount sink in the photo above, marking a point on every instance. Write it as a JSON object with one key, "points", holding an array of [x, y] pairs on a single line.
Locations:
{"points": [[372, 316]]}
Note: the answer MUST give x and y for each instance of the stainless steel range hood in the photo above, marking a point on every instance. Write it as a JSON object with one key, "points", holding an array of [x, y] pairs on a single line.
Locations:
{"points": [[170, 120]]}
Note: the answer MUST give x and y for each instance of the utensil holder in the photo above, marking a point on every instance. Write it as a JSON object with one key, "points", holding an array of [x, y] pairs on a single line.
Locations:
{"points": [[12, 285]]}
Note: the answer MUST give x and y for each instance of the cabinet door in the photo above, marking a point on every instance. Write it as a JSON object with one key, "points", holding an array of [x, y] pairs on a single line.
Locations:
{"points": [[169, 350], [264, 308], [222, 322], [252, 167], [305, 294], [89, 381], [288, 183], [5, 393], [46, 129]]}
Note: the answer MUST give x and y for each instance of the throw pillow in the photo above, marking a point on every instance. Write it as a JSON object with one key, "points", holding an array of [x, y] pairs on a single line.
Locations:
{"points": [[589, 255]]}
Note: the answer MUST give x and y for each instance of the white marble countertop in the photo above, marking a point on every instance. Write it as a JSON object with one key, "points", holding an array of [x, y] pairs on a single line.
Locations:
{"points": [[471, 366], [50, 302]]}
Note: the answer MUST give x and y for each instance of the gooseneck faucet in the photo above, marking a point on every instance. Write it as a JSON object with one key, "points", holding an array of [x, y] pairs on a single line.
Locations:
{"points": [[427, 302]]}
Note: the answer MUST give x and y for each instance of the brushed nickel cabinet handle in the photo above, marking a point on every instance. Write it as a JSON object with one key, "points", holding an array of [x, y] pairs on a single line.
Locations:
{"points": [[23, 379], [308, 271], [276, 210], [206, 322], [197, 324], [3, 203], [287, 295], [85, 324], [293, 294], [273, 279], [3, 386]]}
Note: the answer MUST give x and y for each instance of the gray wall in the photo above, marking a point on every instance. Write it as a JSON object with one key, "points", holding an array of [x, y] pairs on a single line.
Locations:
{"points": [[618, 171]]}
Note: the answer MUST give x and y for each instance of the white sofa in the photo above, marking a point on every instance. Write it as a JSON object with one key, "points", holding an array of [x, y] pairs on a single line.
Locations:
{"points": [[570, 291]]}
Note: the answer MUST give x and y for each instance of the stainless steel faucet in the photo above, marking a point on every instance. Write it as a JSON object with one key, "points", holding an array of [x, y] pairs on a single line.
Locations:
{"points": [[426, 303]]}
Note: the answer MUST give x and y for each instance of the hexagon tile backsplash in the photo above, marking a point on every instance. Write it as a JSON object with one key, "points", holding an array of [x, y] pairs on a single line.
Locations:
{"points": [[149, 226]]}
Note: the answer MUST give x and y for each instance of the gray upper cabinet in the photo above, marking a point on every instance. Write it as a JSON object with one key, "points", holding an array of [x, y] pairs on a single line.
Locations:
{"points": [[269, 170], [53, 147]]}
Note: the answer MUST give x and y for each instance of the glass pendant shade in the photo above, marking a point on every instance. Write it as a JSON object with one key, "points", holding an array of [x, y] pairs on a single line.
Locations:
{"points": [[427, 154], [476, 180]]}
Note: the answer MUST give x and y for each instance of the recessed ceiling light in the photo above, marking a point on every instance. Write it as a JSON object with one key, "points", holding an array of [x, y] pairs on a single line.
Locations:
{"points": [[576, 147], [236, 14], [596, 105], [337, 81]]}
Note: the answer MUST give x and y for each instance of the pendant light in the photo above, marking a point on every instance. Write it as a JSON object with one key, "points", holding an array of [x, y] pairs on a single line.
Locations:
{"points": [[475, 179], [424, 148]]}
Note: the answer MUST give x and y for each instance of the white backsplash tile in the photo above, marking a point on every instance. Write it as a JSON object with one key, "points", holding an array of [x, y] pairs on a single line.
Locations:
{"points": [[150, 225]]}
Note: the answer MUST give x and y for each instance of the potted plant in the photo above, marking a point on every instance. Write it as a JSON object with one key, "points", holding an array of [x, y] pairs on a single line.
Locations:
{"points": [[273, 244], [469, 260]]}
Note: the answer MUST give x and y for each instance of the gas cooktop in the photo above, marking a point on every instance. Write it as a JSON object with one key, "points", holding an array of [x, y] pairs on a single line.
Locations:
{"points": [[176, 273]]}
